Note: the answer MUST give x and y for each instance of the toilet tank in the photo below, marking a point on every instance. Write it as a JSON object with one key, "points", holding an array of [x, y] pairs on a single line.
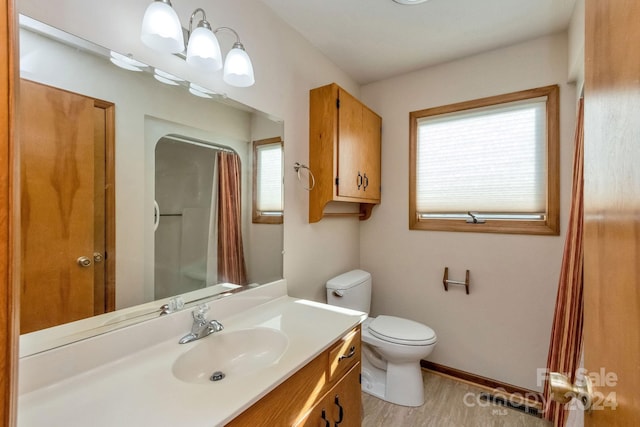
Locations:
{"points": [[350, 290]]}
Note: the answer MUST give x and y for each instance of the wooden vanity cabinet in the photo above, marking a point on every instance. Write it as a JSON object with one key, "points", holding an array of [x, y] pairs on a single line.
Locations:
{"points": [[344, 151], [327, 387], [341, 406]]}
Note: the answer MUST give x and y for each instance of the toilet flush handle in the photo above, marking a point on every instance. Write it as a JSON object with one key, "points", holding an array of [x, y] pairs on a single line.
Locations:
{"points": [[338, 293]]}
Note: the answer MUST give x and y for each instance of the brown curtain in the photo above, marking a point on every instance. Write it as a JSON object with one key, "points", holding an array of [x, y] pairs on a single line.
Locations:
{"points": [[231, 265], [566, 333]]}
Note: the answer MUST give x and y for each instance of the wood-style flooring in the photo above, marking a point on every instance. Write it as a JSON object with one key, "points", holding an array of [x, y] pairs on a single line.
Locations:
{"points": [[449, 403]]}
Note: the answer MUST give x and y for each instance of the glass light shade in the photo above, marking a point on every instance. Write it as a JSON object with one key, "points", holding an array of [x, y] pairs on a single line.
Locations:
{"points": [[203, 50], [201, 89], [161, 28], [238, 70], [126, 62], [163, 75], [165, 80], [124, 65], [196, 92]]}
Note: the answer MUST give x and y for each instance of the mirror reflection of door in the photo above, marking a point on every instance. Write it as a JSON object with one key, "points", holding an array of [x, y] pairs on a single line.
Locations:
{"points": [[67, 221]]}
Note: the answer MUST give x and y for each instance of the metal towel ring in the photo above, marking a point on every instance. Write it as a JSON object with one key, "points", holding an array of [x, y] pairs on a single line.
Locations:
{"points": [[296, 167]]}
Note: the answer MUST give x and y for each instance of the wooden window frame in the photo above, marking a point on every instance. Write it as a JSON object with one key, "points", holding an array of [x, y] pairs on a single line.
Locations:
{"points": [[550, 225], [257, 216]]}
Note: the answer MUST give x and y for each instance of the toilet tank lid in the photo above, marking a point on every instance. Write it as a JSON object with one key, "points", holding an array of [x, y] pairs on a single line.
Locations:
{"points": [[348, 280]]}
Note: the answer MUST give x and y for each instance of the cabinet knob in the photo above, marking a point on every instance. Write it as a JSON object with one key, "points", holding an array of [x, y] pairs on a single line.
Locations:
{"points": [[366, 182], [359, 180]]}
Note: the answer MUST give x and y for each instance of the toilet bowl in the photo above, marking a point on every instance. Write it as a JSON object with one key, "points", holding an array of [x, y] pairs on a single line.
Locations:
{"points": [[392, 346], [391, 366]]}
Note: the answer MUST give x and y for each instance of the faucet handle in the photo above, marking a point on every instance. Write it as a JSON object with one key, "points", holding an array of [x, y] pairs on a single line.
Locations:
{"points": [[199, 312], [215, 326]]}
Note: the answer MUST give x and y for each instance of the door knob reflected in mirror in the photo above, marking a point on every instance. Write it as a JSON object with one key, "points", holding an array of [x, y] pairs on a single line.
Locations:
{"points": [[84, 261], [562, 391]]}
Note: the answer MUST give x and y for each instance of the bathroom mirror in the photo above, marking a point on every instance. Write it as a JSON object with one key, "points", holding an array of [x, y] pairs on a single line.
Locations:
{"points": [[138, 108]]}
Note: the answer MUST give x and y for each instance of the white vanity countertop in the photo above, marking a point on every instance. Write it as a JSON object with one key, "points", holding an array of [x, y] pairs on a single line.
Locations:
{"points": [[140, 389]]}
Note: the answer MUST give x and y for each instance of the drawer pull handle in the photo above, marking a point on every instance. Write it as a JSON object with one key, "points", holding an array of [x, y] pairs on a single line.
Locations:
{"points": [[352, 352], [341, 413], [359, 180], [324, 417]]}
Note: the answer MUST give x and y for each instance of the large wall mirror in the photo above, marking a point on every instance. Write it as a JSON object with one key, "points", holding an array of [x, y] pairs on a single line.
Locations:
{"points": [[135, 189]]}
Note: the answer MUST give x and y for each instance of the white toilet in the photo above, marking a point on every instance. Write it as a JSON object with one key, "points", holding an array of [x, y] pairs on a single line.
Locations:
{"points": [[392, 346]]}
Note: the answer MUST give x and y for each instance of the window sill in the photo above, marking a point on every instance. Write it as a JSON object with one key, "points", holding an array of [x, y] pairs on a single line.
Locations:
{"points": [[547, 228], [268, 219]]}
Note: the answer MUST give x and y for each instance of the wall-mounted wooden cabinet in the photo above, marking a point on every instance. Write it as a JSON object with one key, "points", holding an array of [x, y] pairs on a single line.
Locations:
{"points": [[344, 151]]}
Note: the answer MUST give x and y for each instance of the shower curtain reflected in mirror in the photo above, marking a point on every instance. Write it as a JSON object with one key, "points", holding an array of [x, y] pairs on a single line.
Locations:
{"points": [[231, 265], [199, 217]]}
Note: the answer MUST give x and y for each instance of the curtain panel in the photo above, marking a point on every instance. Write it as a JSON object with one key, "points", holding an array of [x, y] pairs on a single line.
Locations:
{"points": [[231, 263], [566, 333]]}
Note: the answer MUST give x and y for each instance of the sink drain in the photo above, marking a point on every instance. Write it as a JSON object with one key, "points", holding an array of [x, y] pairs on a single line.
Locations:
{"points": [[217, 376]]}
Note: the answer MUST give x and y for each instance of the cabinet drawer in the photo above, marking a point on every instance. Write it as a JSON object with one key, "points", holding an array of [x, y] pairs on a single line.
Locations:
{"points": [[344, 354]]}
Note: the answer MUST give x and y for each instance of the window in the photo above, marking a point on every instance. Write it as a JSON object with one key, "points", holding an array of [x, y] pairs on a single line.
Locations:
{"points": [[487, 165], [267, 181]]}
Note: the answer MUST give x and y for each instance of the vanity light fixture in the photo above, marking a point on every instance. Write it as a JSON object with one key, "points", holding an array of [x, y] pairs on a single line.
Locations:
{"points": [[160, 33]]}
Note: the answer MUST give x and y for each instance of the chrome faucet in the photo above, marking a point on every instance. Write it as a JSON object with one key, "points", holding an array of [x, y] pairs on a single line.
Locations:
{"points": [[201, 326]]}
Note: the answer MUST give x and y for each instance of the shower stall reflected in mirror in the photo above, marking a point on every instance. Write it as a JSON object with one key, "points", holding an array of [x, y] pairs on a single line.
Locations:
{"points": [[198, 239]]}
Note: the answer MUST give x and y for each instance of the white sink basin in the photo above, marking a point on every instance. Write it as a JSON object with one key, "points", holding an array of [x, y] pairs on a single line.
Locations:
{"points": [[236, 354]]}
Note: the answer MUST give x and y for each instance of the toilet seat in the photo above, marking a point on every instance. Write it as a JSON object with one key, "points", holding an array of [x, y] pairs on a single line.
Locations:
{"points": [[401, 331]]}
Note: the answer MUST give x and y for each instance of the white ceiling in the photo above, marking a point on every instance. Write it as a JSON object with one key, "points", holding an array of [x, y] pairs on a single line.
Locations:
{"points": [[375, 39]]}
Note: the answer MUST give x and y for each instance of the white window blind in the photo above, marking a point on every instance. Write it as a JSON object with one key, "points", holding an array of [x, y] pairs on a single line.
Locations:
{"points": [[486, 160], [269, 178]]}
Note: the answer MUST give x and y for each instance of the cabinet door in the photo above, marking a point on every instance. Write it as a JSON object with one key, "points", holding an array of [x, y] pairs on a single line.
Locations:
{"points": [[349, 142], [341, 406], [370, 149]]}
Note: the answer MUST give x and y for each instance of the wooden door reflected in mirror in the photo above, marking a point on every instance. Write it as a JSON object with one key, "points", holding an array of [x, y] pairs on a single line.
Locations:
{"points": [[66, 202]]}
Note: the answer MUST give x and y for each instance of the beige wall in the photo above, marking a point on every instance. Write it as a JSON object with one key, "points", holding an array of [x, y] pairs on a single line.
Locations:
{"points": [[575, 56], [501, 330]]}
